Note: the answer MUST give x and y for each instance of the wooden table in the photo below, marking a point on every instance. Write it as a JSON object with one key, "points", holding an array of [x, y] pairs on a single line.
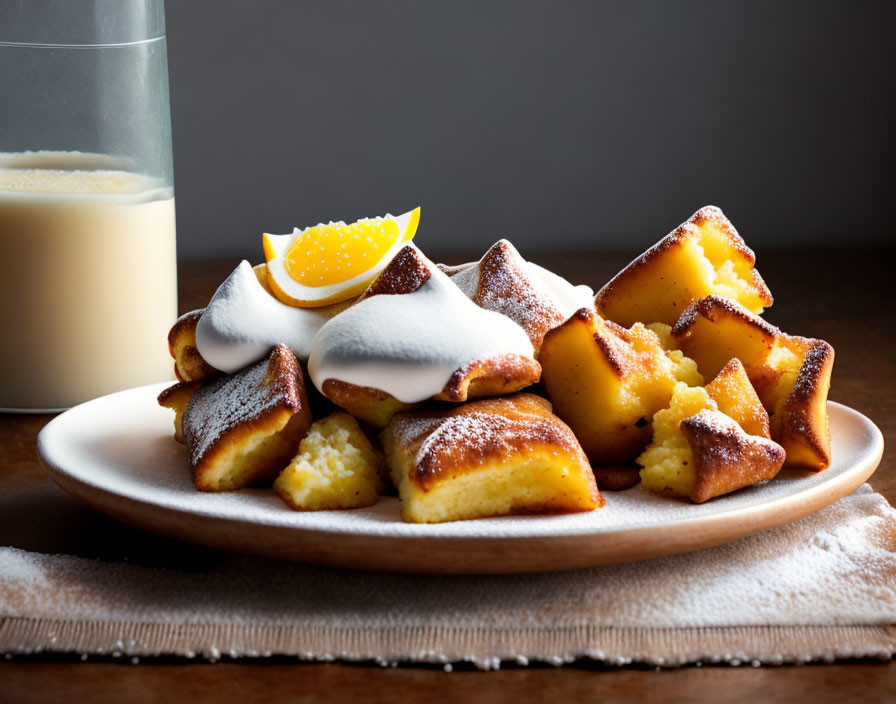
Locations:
{"points": [[842, 296]]}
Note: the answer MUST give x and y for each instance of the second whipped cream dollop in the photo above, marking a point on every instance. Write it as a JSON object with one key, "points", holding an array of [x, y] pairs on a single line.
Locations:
{"points": [[243, 322], [567, 297], [409, 345]]}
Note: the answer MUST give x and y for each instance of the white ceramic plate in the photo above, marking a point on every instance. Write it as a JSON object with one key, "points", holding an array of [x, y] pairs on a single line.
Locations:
{"points": [[118, 454]]}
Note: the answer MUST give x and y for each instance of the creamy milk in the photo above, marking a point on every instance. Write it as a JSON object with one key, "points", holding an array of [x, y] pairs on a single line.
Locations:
{"points": [[88, 286]]}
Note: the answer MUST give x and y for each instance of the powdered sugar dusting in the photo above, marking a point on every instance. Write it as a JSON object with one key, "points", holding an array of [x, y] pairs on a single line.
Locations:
{"points": [[494, 429], [479, 436], [533, 297], [243, 322], [722, 441], [227, 402], [832, 568], [410, 344], [726, 457], [407, 272], [818, 356]]}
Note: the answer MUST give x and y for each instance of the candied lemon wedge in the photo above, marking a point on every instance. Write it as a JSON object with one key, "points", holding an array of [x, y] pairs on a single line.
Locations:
{"points": [[326, 264]]}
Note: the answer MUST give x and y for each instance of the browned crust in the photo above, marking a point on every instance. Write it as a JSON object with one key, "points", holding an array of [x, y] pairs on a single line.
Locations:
{"points": [[190, 366], [609, 345], [218, 418], [503, 428], [815, 369], [286, 425], [616, 477], [809, 394], [494, 376], [506, 287], [188, 363], [406, 273], [730, 369], [185, 324], [502, 374], [336, 388], [609, 337], [371, 406], [687, 230], [176, 398], [726, 458], [614, 342], [712, 307], [610, 437], [806, 442], [452, 269]]}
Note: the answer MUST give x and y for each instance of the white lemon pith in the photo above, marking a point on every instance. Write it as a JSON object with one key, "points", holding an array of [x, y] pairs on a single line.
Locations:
{"points": [[328, 263]]}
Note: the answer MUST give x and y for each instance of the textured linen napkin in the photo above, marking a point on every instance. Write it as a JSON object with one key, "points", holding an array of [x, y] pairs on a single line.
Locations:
{"points": [[818, 589]]}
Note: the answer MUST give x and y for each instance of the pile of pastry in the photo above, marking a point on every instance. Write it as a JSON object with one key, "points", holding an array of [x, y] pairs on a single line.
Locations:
{"points": [[349, 366]]}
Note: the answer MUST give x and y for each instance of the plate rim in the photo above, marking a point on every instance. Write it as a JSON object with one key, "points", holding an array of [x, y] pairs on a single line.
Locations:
{"points": [[815, 497]]}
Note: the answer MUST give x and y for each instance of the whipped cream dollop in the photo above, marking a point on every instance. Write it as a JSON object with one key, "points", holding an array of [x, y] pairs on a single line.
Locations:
{"points": [[564, 296], [410, 344], [567, 297], [243, 322]]}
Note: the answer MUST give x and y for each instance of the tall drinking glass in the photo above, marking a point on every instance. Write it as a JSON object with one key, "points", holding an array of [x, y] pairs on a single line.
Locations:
{"points": [[87, 248]]}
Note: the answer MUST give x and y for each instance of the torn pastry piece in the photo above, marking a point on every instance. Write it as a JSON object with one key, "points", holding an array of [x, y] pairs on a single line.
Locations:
{"points": [[243, 428], [736, 398], [337, 467], [698, 452], [533, 297], [372, 407], [189, 365], [176, 398], [726, 458], [414, 336], [703, 256], [491, 457], [607, 381], [791, 375]]}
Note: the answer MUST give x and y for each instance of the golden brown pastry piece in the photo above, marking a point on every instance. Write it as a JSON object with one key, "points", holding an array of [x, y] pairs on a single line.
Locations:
{"points": [[485, 458], [703, 256], [502, 374], [737, 399], [607, 381], [372, 407], [503, 282], [176, 398], [188, 363], [791, 375], [243, 428], [725, 457], [698, 452], [337, 467]]}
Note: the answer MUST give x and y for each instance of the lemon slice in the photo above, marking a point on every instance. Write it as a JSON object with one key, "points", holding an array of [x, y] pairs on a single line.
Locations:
{"points": [[326, 264]]}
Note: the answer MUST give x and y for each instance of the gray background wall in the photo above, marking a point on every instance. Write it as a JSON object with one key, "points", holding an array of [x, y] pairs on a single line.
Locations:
{"points": [[562, 125]]}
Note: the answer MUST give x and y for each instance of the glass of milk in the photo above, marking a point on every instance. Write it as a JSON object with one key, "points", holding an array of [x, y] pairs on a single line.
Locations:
{"points": [[88, 286]]}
